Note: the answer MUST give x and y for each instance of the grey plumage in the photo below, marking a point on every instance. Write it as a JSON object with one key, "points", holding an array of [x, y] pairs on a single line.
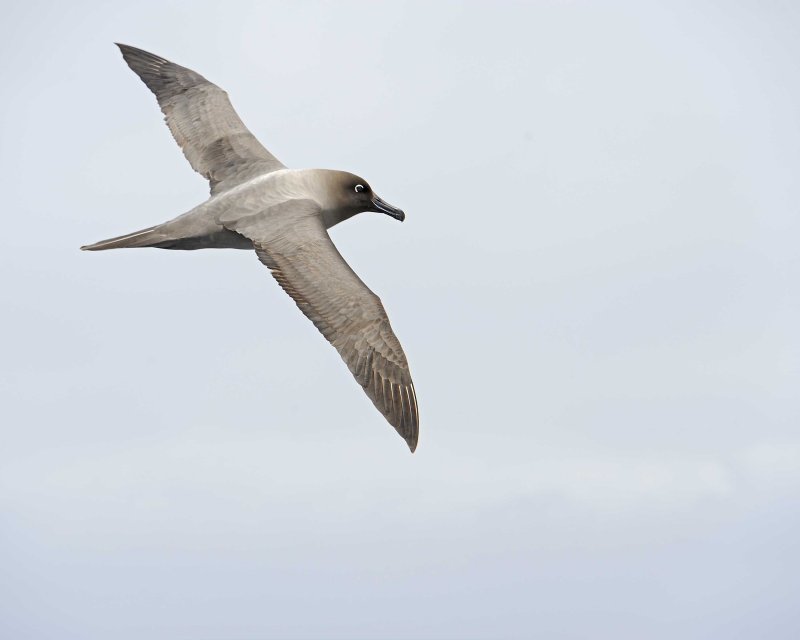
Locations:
{"points": [[283, 214], [200, 116]]}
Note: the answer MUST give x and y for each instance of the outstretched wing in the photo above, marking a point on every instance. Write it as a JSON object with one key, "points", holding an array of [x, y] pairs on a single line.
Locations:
{"points": [[291, 240], [212, 136]]}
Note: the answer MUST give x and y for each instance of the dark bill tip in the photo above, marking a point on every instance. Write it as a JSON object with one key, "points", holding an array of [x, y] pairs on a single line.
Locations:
{"points": [[384, 207]]}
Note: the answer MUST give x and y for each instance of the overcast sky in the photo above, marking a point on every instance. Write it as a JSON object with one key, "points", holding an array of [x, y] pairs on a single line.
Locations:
{"points": [[596, 286]]}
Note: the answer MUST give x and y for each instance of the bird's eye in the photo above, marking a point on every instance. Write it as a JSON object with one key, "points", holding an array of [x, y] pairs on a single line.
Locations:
{"points": [[359, 188]]}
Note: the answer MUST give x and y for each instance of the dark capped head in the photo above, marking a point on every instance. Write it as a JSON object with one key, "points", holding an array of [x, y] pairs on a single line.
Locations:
{"points": [[353, 193]]}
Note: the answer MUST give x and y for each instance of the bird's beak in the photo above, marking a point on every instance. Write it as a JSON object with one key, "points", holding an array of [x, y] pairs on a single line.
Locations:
{"points": [[382, 206]]}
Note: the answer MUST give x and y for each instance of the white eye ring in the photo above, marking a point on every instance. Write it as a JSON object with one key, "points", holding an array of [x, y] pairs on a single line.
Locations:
{"points": [[359, 188]]}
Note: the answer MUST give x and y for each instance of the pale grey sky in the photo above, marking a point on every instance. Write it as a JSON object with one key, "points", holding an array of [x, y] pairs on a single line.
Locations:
{"points": [[596, 287]]}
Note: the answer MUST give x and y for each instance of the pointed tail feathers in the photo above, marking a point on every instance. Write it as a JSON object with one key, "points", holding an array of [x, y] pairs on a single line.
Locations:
{"points": [[144, 238]]}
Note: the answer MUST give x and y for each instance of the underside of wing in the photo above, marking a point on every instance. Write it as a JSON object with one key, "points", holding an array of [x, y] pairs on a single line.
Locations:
{"points": [[204, 124], [291, 240]]}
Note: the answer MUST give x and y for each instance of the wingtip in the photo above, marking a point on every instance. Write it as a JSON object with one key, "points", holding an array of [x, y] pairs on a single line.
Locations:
{"points": [[130, 53]]}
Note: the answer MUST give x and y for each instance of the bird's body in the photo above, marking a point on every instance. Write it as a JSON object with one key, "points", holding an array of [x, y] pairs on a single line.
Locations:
{"points": [[283, 214], [203, 227]]}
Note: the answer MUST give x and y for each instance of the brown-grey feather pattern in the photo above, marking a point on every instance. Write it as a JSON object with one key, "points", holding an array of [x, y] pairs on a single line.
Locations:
{"points": [[307, 265], [203, 122]]}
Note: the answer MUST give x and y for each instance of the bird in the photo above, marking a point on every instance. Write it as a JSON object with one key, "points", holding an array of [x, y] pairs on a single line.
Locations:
{"points": [[257, 203]]}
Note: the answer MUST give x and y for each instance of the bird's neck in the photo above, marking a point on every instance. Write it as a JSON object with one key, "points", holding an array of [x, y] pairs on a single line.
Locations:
{"points": [[335, 216]]}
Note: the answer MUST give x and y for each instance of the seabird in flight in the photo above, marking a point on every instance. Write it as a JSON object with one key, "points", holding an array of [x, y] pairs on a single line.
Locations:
{"points": [[283, 215]]}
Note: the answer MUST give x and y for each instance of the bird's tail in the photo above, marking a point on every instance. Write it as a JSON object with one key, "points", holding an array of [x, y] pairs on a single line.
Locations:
{"points": [[144, 238]]}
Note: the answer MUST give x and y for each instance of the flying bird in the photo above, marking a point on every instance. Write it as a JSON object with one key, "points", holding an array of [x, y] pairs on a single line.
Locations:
{"points": [[283, 215]]}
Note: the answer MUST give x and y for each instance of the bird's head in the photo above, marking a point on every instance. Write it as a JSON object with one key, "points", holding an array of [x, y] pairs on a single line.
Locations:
{"points": [[346, 194]]}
